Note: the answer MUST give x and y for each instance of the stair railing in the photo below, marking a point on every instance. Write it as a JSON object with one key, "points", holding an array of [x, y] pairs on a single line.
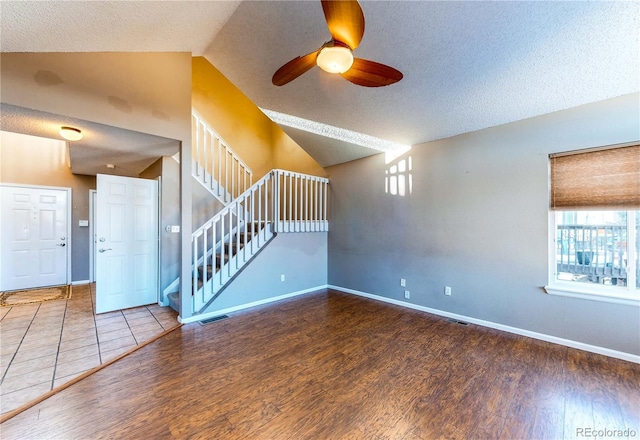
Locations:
{"points": [[216, 165], [302, 205], [225, 243], [281, 201]]}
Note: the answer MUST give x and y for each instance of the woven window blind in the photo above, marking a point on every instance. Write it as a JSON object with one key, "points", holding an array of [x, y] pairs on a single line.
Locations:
{"points": [[603, 179]]}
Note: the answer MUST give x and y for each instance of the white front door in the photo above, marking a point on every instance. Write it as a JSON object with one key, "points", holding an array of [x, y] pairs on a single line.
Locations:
{"points": [[127, 242], [34, 224]]}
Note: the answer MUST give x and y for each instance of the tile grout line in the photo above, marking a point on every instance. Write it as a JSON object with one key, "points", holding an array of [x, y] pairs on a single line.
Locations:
{"points": [[131, 331], [21, 341], [55, 365], [155, 317], [95, 322], [96, 325]]}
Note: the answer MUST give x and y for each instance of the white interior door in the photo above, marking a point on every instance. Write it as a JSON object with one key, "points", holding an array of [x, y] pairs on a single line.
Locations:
{"points": [[127, 242], [34, 224]]}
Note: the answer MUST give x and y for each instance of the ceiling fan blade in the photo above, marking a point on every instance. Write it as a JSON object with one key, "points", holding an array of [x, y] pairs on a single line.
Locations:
{"points": [[371, 74], [294, 69], [345, 21]]}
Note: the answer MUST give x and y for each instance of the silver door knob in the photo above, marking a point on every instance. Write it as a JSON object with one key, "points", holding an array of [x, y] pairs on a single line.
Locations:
{"points": [[103, 250], [62, 244]]}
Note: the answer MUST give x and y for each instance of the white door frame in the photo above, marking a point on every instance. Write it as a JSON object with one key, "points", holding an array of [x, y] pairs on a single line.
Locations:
{"points": [[69, 239], [92, 235], [161, 298]]}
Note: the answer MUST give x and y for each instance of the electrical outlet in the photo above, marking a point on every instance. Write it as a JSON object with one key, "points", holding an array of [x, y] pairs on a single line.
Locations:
{"points": [[282, 277], [407, 294], [447, 290], [403, 282]]}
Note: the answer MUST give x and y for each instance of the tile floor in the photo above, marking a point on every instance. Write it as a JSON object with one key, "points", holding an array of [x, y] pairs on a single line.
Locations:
{"points": [[47, 344]]}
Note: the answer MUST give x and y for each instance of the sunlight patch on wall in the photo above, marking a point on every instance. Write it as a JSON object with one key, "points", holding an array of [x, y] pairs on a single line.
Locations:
{"points": [[390, 156], [398, 180], [54, 152]]}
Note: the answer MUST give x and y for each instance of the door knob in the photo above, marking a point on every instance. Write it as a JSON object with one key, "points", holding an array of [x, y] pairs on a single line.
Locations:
{"points": [[103, 250], [61, 244]]}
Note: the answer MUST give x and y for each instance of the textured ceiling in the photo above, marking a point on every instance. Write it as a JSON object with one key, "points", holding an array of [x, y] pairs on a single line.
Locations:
{"points": [[112, 26], [327, 151], [467, 65]]}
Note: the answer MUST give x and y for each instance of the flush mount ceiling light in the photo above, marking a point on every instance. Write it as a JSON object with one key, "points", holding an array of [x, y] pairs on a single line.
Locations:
{"points": [[70, 133], [335, 59]]}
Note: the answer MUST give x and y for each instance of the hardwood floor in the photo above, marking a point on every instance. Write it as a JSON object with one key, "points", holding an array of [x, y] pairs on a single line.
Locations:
{"points": [[334, 366]]}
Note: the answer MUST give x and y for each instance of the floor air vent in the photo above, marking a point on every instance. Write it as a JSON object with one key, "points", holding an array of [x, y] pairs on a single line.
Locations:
{"points": [[455, 321], [214, 319]]}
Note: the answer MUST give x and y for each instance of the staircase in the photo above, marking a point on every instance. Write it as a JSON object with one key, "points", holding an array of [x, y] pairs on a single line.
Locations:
{"points": [[280, 202], [215, 165], [230, 250]]}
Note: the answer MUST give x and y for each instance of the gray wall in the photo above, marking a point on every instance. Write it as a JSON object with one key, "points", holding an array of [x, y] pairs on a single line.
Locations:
{"points": [[476, 219], [168, 171], [301, 257]]}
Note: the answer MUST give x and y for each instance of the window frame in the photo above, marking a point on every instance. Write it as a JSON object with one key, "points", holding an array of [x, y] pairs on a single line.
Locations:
{"points": [[628, 295]]}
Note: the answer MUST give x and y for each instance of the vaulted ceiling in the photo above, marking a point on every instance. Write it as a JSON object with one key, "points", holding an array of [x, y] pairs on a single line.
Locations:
{"points": [[467, 65]]}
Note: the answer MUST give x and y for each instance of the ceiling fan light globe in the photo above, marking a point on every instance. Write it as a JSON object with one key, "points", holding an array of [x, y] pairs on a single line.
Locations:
{"points": [[335, 59]]}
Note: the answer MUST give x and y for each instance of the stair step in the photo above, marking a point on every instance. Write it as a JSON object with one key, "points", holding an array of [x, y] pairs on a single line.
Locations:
{"points": [[219, 257], [234, 247], [231, 249], [174, 298], [209, 272], [254, 226]]}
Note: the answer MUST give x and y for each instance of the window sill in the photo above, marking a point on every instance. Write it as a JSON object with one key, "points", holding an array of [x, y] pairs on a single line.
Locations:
{"points": [[626, 297]]}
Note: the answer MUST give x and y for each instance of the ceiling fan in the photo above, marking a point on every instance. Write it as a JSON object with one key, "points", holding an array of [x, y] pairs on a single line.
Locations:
{"points": [[346, 25]]}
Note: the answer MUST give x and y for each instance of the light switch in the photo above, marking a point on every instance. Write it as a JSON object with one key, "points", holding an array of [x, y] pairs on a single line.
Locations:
{"points": [[175, 229], [83, 222]]}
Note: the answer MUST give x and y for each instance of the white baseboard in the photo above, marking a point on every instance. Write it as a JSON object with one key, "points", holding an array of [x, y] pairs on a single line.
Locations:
{"points": [[208, 315], [518, 331], [77, 283]]}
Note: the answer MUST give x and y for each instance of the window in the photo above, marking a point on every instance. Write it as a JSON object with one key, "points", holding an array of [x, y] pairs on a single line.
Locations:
{"points": [[594, 225]]}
